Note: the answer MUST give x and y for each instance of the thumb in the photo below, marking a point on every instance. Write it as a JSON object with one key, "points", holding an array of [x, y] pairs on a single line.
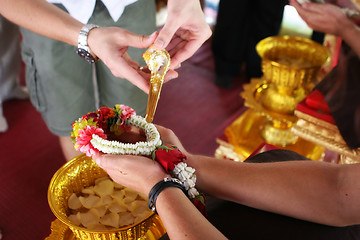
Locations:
{"points": [[165, 35], [140, 41], [104, 160]]}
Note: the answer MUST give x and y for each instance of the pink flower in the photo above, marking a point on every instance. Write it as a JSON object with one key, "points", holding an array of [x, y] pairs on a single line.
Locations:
{"points": [[126, 112], [83, 143]]}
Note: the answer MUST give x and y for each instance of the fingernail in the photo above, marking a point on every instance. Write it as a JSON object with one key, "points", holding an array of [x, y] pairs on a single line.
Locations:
{"points": [[159, 43]]}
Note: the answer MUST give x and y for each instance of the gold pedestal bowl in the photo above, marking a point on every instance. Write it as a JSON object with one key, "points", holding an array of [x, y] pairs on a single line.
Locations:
{"points": [[290, 65], [71, 178]]}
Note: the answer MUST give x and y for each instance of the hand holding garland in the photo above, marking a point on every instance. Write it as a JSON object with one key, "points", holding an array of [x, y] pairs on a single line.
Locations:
{"points": [[179, 215], [102, 130]]}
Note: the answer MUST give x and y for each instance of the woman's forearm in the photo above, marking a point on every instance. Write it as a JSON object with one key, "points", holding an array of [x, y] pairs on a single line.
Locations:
{"points": [[181, 218], [43, 18], [313, 191]]}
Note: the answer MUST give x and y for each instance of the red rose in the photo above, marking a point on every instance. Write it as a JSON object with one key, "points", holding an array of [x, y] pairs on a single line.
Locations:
{"points": [[168, 156], [105, 113]]}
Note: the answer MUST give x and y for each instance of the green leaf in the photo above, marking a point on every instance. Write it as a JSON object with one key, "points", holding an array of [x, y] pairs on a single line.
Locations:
{"points": [[153, 154], [164, 147]]}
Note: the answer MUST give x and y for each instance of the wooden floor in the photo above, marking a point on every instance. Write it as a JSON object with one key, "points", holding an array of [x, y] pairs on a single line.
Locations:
{"points": [[192, 105]]}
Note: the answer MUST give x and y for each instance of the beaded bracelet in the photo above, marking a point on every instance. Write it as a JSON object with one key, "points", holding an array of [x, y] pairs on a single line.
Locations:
{"points": [[159, 187]]}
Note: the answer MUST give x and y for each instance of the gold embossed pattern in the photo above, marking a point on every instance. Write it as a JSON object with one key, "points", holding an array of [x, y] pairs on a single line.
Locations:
{"points": [[72, 177], [158, 62]]}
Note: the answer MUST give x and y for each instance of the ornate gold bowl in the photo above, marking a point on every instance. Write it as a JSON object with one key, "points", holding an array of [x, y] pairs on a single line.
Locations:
{"points": [[290, 65], [289, 61], [72, 177]]}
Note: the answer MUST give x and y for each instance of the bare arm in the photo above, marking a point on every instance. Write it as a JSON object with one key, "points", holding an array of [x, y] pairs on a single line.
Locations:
{"points": [[181, 218], [109, 43], [43, 18], [314, 191]]}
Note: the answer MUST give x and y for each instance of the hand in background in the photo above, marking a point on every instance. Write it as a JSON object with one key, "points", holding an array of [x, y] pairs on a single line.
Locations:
{"points": [[185, 30], [327, 18]]}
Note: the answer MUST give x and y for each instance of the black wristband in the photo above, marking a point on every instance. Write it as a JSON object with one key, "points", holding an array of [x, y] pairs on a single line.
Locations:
{"points": [[159, 187]]}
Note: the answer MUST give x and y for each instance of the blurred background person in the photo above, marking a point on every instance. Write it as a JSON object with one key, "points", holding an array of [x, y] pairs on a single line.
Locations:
{"points": [[10, 61], [240, 25]]}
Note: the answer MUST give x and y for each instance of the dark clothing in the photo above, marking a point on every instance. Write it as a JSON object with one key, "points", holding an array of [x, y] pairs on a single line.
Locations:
{"points": [[240, 26], [341, 89]]}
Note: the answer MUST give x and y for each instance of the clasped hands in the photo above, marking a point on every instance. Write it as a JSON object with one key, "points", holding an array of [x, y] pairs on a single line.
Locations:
{"points": [[183, 33]]}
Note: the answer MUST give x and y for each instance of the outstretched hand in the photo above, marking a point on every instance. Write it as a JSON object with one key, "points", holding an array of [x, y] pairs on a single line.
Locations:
{"points": [[184, 32], [110, 44]]}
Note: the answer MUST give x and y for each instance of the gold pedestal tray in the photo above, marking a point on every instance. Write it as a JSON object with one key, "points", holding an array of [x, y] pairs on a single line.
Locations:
{"points": [[244, 136], [60, 231], [72, 177], [325, 134]]}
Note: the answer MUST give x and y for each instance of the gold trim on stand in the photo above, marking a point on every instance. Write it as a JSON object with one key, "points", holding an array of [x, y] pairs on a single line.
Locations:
{"points": [[324, 134]]}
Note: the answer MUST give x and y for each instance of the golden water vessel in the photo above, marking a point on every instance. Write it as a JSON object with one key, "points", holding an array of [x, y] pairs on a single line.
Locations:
{"points": [[72, 177], [290, 66], [158, 62]]}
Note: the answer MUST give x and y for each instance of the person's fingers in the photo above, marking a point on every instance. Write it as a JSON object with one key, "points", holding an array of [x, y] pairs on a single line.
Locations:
{"points": [[177, 66], [169, 137], [184, 51], [140, 41], [112, 161], [166, 34], [164, 132], [306, 8], [123, 69], [97, 158], [173, 43], [312, 7], [295, 4], [171, 74], [131, 62], [145, 75]]}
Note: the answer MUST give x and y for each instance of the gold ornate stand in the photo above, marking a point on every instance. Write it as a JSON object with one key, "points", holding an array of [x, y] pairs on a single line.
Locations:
{"points": [[326, 135], [244, 136], [60, 231], [290, 66]]}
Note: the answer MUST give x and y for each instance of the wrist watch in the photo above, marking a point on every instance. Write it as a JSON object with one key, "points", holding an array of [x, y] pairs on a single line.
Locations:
{"points": [[83, 49]]}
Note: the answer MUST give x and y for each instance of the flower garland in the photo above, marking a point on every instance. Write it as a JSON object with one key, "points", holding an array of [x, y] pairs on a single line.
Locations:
{"points": [[91, 132], [172, 160], [91, 135]]}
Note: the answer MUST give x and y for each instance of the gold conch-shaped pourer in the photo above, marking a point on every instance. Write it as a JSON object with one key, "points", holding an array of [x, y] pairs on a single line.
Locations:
{"points": [[158, 62]]}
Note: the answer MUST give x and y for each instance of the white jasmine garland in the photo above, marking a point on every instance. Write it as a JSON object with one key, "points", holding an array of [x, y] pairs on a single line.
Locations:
{"points": [[187, 177], [140, 148]]}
